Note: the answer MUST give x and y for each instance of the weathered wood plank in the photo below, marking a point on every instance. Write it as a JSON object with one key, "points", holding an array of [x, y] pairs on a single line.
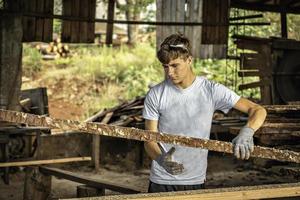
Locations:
{"points": [[88, 181], [39, 29], [29, 23], [233, 193], [48, 23], [43, 162], [91, 25], [83, 26], [66, 24], [75, 29], [244, 73], [282, 108], [252, 85], [142, 135]]}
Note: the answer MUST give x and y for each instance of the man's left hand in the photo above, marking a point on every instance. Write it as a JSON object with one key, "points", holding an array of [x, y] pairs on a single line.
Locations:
{"points": [[243, 143]]}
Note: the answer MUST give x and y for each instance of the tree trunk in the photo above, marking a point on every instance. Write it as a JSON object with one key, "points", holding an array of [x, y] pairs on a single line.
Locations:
{"points": [[132, 30]]}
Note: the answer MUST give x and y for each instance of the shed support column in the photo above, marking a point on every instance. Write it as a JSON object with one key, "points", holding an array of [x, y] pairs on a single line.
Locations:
{"points": [[283, 20], [10, 60], [110, 25]]}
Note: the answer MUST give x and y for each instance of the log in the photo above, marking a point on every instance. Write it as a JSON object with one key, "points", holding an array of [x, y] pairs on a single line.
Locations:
{"points": [[142, 135], [42, 162]]}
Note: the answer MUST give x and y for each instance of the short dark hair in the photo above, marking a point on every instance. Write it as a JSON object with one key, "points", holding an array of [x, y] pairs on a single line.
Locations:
{"points": [[173, 47]]}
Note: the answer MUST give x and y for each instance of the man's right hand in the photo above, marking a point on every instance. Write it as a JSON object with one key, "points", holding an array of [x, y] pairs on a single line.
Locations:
{"points": [[165, 160]]}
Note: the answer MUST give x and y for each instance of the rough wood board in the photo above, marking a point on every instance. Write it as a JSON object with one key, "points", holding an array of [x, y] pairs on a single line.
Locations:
{"points": [[88, 181], [42, 162], [66, 24], [234, 193], [142, 135]]}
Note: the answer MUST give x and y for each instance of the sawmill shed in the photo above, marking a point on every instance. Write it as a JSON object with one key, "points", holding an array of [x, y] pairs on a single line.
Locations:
{"points": [[26, 128]]}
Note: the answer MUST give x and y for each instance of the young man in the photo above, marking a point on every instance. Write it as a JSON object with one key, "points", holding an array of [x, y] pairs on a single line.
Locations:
{"points": [[184, 104]]}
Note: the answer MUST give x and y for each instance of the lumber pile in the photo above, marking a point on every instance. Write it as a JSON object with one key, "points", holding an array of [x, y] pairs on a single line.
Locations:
{"points": [[54, 50]]}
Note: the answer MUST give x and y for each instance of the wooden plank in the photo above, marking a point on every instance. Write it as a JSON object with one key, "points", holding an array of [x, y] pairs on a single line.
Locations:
{"points": [[282, 108], [75, 31], [29, 23], [253, 85], [225, 12], [48, 23], [39, 29], [180, 12], [43, 162], [91, 25], [110, 24], [83, 26], [142, 135], [88, 181], [66, 24], [159, 29], [249, 61], [244, 73], [233, 193]]}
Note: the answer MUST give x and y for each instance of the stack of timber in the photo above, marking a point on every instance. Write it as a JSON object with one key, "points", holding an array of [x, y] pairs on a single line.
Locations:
{"points": [[54, 50], [281, 130]]}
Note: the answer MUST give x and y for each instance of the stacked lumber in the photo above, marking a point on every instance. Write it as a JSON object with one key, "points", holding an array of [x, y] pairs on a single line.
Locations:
{"points": [[54, 50], [282, 126]]}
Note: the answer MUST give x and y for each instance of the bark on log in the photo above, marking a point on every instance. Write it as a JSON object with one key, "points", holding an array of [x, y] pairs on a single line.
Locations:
{"points": [[142, 135]]}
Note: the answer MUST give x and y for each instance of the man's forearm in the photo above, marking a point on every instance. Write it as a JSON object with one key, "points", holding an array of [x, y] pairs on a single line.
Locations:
{"points": [[152, 149], [257, 116]]}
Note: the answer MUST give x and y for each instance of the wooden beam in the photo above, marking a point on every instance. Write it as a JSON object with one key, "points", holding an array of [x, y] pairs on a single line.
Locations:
{"points": [[252, 85], [110, 24], [155, 23], [88, 181], [233, 193], [42, 162], [142, 135], [283, 21], [282, 108], [263, 7], [244, 73]]}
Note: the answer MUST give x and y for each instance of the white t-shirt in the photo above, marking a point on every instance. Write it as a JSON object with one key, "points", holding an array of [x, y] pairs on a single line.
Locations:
{"points": [[186, 112]]}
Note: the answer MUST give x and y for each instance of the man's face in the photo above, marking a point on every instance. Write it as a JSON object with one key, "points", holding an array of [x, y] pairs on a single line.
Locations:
{"points": [[178, 70]]}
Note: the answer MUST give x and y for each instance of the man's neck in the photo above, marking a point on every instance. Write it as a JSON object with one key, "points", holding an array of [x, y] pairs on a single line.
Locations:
{"points": [[188, 81]]}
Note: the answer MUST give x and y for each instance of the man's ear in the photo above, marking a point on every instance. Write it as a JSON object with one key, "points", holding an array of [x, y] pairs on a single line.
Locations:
{"points": [[190, 60]]}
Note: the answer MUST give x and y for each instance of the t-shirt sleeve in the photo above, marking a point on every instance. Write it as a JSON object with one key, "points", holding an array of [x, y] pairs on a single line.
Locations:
{"points": [[224, 98], [150, 110]]}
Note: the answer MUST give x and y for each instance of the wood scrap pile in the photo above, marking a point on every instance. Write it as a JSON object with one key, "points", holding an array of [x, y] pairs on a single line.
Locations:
{"points": [[127, 114], [54, 50], [281, 127]]}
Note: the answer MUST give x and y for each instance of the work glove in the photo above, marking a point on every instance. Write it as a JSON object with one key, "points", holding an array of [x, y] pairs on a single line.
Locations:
{"points": [[243, 143], [166, 161]]}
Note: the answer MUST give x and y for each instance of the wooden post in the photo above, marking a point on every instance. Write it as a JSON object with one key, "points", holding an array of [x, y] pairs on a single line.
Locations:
{"points": [[10, 60], [110, 25], [284, 32], [37, 185], [96, 151]]}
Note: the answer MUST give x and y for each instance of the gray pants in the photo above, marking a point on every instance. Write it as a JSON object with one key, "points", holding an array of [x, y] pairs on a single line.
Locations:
{"points": [[153, 187]]}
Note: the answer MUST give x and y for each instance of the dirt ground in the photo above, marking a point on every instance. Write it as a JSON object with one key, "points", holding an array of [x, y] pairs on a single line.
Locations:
{"points": [[223, 171]]}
